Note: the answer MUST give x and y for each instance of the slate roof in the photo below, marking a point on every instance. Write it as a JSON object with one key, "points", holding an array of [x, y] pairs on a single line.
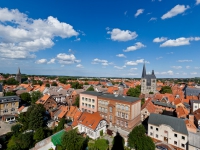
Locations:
{"points": [[155, 102], [177, 124], [120, 97], [194, 139], [192, 91], [91, 93], [7, 99]]}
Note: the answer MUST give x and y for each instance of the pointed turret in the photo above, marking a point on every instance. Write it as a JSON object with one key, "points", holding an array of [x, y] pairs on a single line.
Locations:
{"points": [[144, 71], [19, 71], [152, 72]]}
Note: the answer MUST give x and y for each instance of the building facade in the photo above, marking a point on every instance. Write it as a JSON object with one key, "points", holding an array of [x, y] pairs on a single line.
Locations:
{"points": [[88, 101], [121, 112], [168, 129], [148, 82], [9, 107]]}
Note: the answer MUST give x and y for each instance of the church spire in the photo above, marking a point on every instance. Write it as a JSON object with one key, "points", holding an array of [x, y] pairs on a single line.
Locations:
{"points": [[19, 71], [144, 71], [152, 72]]}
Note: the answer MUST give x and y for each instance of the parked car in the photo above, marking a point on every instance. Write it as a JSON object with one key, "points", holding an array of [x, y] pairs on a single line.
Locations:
{"points": [[11, 122], [161, 147]]}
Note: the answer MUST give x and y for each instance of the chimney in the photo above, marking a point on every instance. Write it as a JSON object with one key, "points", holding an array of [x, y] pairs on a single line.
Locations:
{"points": [[191, 118]]}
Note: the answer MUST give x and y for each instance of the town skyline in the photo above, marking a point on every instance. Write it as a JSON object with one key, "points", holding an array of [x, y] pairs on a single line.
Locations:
{"points": [[100, 39]]}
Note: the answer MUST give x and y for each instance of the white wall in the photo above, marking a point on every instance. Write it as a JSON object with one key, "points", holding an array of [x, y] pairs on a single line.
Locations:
{"points": [[168, 132]]}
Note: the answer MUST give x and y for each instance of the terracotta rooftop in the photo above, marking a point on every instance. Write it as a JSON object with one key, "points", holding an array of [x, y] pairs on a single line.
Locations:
{"points": [[43, 99], [90, 120]]}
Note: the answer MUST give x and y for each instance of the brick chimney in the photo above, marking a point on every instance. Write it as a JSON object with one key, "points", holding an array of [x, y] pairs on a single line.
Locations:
{"points": [[191, 118]]}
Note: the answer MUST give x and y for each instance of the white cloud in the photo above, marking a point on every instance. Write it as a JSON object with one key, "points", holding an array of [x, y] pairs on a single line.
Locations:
{"points": [[177, 67], [139, 11], [101, 61], [79, 66], [196, 67], [77, 39], [179, 42], [27, 35], [197, 2], [153, 18], [193, 73], [170, 53], [178, 9], [185, 60], [41, 61], [52, 61], [117, 67], [121, 55], [134, 63], [157, 40], [184, 73], [107, 28], [62, 66], [122, 35], [165, 73], [187, 67], [137, 45], [133, 69], [159, 57], [67, 59]]}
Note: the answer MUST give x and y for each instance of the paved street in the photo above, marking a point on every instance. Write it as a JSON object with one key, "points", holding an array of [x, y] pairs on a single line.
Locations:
{"points": [[5, 127]]}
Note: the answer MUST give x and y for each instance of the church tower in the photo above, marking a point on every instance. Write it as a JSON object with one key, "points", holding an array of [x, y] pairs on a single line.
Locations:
{"points": [[18, 76], [148, 82]]}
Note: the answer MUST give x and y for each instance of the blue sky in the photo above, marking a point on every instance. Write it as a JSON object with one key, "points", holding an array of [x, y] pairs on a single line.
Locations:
{"points": [[100, 38]]}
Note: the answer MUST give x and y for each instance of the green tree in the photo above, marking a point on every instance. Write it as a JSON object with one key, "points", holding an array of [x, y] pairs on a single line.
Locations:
{"points": [[35, 114], [72, 141], [118, 142], [166, 89], [54, 84], [12, 81], [26, 97], [134, 92], [39, 134], [39, 82], [138, 140], [86, 83], [101, 144], [142, 101], [10, 93], [90, 89], [76, 101], [16, 129], [25, 140], [35, 95], [47, 85], [61, 124]]}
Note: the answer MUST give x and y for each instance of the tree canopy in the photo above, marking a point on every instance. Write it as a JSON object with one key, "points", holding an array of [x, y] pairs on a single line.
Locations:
{"points": [[35, 95], [90, 88], [12, 81], [72, 141], [137, 139], [26, 97], [134, 92], [166, 89], [39, 134], [10, 93], [54, 84]]}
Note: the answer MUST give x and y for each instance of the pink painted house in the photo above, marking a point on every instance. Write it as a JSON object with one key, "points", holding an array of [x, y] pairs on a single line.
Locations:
{"points": [[88, 101]]}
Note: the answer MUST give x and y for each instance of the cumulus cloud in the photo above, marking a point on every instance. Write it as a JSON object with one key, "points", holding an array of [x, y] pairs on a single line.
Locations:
{"points": [[22, 36], [121, 55], [197, 2], [193, 73], [67, 59], [157, 40], [100, 61], [79, 66], [137, 45], [41, 61], [179, 42], [134, 63], [178, 9], [122, 35], [185, 60], [170, 72], [177, 67], [139, 11], [52, 61], [153, 19], [187, 67], [159, 57], [120, 68]]}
